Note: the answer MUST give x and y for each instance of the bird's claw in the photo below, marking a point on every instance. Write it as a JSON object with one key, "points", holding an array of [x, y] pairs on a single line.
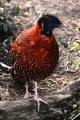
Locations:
{"points": [[27, 95], [36, 98]]}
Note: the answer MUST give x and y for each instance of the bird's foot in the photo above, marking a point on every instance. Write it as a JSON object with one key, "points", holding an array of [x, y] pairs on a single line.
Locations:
{"points": [[38, 99], [27, 95]]}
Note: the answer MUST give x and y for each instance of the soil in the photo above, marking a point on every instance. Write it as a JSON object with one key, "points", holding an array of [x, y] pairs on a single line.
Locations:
{"points": [[68, 11]]}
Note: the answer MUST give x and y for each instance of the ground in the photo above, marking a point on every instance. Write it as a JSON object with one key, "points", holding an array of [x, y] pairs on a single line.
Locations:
{"points": [[68, 69]]}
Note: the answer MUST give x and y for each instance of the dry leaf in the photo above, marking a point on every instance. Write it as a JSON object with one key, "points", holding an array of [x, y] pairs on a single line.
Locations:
{"points": [[75, 45], [78, 52]]}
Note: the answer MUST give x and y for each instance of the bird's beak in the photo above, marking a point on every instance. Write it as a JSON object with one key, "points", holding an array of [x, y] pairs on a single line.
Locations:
{"points": [[61, 25]]}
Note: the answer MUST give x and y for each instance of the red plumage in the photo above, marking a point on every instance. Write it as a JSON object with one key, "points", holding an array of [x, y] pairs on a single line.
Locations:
{"points": [[35, 54]]}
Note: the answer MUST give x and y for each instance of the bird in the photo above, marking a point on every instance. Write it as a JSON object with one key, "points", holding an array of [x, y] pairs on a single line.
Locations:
{"points": [[35, 54]]}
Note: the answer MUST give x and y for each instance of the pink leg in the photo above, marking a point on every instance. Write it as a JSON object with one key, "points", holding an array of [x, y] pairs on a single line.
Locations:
{"points": [[27, 94], [37, 98]]}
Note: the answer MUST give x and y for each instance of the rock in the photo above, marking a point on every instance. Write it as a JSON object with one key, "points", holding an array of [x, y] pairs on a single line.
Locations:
{"points": [[60, 105]]}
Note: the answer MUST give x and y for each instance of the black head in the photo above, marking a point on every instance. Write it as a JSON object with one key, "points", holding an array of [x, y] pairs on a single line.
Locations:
{"points": [[48, 23]]}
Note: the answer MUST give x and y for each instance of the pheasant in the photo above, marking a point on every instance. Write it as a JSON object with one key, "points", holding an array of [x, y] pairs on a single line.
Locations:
{"points": [[35, 53]]}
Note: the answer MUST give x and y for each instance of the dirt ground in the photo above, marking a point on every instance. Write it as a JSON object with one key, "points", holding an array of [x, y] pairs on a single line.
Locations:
{"points": [[68, 11]]}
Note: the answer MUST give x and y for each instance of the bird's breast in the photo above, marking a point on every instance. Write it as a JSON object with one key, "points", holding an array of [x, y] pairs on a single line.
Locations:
{"points": [[35, 59]]}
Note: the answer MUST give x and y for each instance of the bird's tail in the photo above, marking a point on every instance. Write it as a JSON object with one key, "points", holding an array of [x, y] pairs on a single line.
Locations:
{"points": [[5, 66]]}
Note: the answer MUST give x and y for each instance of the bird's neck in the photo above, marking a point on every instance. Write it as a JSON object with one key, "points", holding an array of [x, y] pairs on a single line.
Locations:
{"points": [[46, 33], [39, 30]]}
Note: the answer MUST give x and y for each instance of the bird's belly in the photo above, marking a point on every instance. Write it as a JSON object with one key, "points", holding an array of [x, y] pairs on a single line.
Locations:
{"points": [[34, 67]]}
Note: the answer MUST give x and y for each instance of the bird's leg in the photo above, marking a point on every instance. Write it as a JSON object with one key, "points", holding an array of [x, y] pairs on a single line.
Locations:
{"points": [[37, 98], [27, 94]]}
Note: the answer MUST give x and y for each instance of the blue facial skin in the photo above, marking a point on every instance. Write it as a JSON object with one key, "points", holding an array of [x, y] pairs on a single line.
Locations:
{"points": [[51, 26], [50, 22]]}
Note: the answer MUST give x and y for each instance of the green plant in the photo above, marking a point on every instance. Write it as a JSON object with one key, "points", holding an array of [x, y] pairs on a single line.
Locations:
{"points": [[15, 10], [6, 23]]}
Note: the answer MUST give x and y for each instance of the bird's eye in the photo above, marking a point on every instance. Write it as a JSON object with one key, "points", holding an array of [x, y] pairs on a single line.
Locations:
{"points": [[50, 20]]}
